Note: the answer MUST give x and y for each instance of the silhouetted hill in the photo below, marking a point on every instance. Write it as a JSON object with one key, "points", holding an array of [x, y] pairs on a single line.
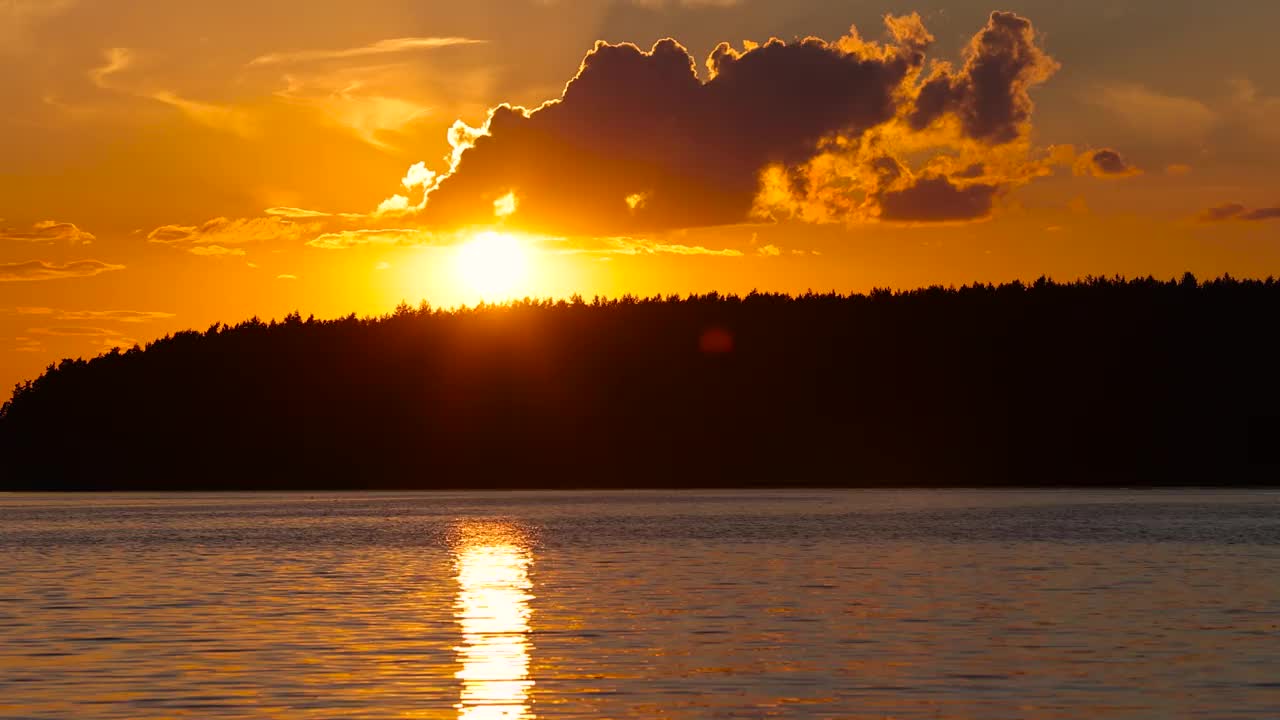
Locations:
{"points": [[1088, 383]]}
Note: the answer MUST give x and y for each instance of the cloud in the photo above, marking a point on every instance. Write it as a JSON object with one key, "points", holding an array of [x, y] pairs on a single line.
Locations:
{"points": [[99, 337], [70, 331], [1236, 211], [296, 213], [25, 344], [1166, 118], [219, 235], [286, 276], [633, 124], [632, 246], [1260, 114], [123, 316], [40, 270], [382, 47], [1105, 164], [350, 105], [990, 94], [49, 231], [1178, 170], [216, 251], [117, 60], [345, 239], [937, 199], [637, 143], [219, 117]]}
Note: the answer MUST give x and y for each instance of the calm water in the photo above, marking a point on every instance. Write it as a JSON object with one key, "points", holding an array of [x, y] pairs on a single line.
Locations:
{"points": [[858, 604]]}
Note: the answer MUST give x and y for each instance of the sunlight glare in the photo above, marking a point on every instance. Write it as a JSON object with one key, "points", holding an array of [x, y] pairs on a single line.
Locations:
{"points": [[493, 265], [493, 611]]}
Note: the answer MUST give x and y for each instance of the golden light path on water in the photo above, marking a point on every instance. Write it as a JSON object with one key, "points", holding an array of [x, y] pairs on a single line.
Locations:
{"points": [[492, 609]]}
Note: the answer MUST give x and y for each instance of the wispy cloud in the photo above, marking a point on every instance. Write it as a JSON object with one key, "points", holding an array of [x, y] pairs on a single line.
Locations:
{"points": [[117, 60], [1237, 211], [123, 316], [99, 337], [354, 104], [382, 47], [219, 236], [48, 232], [1159, 117], [40, 270], [226, 118], [345, 239], [216, 251], [635, 246], [219, 117]]}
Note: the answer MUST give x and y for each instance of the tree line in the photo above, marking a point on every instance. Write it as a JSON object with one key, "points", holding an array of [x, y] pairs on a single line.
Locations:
{"points": [[1100, 381]]}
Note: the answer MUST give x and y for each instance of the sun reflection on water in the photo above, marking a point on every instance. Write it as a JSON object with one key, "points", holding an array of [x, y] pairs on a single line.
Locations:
{"points": [[492, 609]]}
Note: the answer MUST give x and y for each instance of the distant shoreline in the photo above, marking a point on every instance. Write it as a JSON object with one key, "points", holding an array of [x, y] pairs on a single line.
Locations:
{"points": [[1085, 384]]}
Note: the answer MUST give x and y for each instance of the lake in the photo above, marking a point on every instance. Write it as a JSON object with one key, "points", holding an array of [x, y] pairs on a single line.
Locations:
{"points": [[932, 604]]}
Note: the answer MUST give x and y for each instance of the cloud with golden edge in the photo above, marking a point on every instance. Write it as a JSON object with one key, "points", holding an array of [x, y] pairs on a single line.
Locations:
{"points": [[621, 245], [506, 205], [850, 130], [294, 213], [216, 251], [49, 232], [1105, 163], [346, 239], [35, 270], [220, 236]]}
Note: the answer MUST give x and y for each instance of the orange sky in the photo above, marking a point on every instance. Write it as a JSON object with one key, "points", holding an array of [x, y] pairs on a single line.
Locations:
{"points": [[168, 165]]}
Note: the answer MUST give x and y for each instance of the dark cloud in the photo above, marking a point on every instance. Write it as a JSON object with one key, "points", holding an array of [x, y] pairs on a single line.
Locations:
{"points": [[1105, 163], [938, 199], [635, 123], [1267, 213], [816, 130], [1230, 211], [989, 95], [39, 270], [1236, 211]]}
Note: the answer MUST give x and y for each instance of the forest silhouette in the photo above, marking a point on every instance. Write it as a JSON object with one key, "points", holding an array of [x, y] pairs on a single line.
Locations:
{"points": [[1102, 381]]}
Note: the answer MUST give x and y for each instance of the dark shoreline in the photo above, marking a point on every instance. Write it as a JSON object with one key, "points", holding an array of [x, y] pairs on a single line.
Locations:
{"points": [[1086, 384]]}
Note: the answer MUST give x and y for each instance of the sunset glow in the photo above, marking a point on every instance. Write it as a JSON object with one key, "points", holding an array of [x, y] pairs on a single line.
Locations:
{"points": [[493, 266]]}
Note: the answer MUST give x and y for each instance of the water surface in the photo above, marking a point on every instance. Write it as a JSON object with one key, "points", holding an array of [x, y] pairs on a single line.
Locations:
{"points": [[803, 604]]}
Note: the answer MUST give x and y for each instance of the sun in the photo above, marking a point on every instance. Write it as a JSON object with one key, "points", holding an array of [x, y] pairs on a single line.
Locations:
{"points": [[492, 265]]}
